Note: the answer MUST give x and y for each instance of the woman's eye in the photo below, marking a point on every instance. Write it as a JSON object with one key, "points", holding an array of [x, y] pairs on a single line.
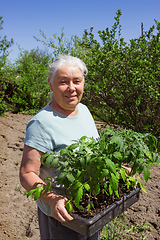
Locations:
{"points": [[77, 81], [63, 82]]}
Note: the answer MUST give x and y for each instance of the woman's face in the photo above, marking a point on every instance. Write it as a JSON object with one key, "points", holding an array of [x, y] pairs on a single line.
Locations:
{"points": [[67, 87]]}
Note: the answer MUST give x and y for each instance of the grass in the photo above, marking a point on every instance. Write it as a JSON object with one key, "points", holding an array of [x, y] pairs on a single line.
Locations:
{"points": [[119, 228]]}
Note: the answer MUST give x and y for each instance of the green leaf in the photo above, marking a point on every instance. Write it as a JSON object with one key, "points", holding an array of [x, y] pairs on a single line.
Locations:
{"points": [[54, 162], [158, 160], [117, 155], [86, 186], [88, 207], [97, 189], [83, 138], [155, 157], [77, 185], [118, 141], [79, 195], [48, 160], [128, 183], [104, 173], [92, 205], [87, 159], [148, 153], [122, 173], [48, 187], [61, 175], [30, 192], [44, 156], [78, 173], [49, 179], [110, 189], [68, 206], [116, 192], [82, 161], [88, 150], [99, 160], [64, 151], [135, 166], [110, 165], [114, 182], [141, 167], [78, 206], [81, 148], [142, 187], [73, 146], [146, 173], [38, 192], [70, 177]]}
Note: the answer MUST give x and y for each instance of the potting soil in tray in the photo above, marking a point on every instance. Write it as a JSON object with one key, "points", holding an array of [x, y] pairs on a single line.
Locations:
{"points": [[88, 227]]}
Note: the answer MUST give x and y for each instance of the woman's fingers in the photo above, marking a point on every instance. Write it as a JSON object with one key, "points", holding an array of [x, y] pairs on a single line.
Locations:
{"points": [[58, 210], [128, 169], [63, 215]]}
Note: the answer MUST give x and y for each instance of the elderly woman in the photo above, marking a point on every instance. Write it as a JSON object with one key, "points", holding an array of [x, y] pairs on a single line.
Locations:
{"points": [[54, 127]]}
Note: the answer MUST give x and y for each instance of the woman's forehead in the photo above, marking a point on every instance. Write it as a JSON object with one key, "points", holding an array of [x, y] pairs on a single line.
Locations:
{"points": [[69, 70]]}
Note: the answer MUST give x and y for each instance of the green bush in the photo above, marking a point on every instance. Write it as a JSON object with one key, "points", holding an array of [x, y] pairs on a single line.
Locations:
{"points": [[122, 86], [26, 86]]}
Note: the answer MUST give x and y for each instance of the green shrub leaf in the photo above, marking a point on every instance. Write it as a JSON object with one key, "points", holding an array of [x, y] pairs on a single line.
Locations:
{"points": [[73, 146], [43, 157], [38, 192], [48, 187], [77, 185], [70, 177], [54, 162], [86, 186], [110, 165], [48, 160], [68, 206], [146, 173], [97, 189], [79, 195], [104, 173], [114, 182], [117, 155]]}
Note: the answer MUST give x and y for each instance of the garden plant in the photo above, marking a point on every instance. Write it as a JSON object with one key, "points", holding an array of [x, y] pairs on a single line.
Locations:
{"points": [[89, 168]]}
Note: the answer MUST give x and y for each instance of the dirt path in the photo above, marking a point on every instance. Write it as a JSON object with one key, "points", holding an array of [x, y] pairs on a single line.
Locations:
{"points": [[18, 215]]}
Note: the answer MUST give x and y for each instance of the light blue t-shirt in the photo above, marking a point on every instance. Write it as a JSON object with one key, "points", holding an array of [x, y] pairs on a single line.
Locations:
{"points": [[50, 130]]}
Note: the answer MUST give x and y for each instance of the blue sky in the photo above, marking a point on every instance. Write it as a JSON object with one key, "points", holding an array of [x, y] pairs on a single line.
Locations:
{"points": [[24, 18]]}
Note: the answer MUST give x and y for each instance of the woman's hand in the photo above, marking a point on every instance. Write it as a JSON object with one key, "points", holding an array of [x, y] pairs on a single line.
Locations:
{"points": [[128, 169], [58, 210], [29, 171]]}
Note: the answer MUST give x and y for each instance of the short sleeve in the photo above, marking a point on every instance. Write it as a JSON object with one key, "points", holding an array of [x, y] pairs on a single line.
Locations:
{"points": [[38, 137]]}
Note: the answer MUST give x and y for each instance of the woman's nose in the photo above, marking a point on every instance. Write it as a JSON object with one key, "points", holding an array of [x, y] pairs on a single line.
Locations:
{"points": [[71, 86]]}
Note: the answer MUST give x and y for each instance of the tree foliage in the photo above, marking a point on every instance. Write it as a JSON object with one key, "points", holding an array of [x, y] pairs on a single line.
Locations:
{"points": [[122, 86], [25, 86], [4, 45], [59, 44]]}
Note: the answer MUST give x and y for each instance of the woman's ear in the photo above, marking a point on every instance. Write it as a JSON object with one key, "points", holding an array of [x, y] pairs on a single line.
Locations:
{"points": [[50, 85]]}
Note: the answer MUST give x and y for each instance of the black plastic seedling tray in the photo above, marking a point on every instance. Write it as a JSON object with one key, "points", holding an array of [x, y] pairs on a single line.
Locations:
{"points": [[88, 227]]}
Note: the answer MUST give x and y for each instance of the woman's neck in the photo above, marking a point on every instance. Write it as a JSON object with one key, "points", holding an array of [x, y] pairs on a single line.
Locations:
{"points": [[66, 112]]}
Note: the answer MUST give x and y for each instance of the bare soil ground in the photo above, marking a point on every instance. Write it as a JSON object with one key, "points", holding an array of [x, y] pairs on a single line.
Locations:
{"points": [[18, 215]]}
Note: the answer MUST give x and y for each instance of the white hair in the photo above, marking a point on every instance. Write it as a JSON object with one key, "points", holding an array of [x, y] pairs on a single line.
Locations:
{"points": [[65, 60]]}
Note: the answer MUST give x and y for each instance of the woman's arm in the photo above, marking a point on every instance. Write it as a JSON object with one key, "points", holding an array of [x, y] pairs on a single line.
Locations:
{"points": [[29, 171]]}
